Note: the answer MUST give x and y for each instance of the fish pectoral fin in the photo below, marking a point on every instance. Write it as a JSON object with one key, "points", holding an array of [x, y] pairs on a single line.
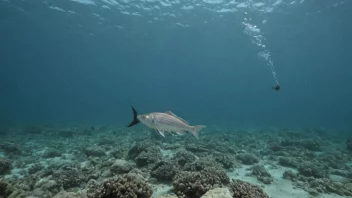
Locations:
{"points": [[161, 132], [180, 132]]}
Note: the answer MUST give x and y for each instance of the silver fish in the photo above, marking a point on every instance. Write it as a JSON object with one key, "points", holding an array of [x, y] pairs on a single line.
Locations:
{"points": [[165, 121]]}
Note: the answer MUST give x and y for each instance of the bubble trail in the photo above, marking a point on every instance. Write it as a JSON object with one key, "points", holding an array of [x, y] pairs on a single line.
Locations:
{"points": [[257, 38]]}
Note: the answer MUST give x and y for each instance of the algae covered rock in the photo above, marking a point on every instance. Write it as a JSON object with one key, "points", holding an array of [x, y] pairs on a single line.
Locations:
{"points": [[5, 189], [121, 166], [201, 164], [196, 184], [241, 189], [182, 157], [289, 162], [68, 177], [226, 160], [289, 175], [310, 169], [51, 153], [118, 153], [247, 159], [123, 186], [311, 145], [262, 174], [149, 156], [168, 196], [164, 170], [138, 148], [10, 148], [145, 153], [35, 168], [217, 193], [195, 148], [64, 194], [5, 166], [48, 185], [94, 151]]}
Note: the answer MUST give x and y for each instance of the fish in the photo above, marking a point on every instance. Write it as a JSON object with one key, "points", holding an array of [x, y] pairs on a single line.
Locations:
{"points": [[165, 122]]}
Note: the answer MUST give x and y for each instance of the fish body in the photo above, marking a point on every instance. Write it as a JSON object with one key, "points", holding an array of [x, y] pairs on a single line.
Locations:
{"points": [[166, 121]]}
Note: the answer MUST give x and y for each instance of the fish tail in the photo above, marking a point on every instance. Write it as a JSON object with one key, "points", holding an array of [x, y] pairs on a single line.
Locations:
{"points": [[196, 130], [135, 119]]}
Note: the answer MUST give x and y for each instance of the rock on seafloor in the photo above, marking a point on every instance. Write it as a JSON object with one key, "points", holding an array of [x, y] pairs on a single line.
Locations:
{"points": [[218, 193], [168, 196]]}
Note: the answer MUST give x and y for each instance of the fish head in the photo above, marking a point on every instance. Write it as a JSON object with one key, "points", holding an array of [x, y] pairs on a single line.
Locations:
{"points": [[146, 119]]}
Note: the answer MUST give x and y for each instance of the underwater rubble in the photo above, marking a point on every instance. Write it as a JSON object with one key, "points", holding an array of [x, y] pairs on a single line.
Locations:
{"points": [[108, 162]]}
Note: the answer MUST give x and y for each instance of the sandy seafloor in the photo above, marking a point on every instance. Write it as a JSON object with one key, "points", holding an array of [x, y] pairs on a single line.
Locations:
{"points": [[79, 161]]}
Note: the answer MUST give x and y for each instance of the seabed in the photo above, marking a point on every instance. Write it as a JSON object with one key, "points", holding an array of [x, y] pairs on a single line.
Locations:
{"points": [[106, 161]]}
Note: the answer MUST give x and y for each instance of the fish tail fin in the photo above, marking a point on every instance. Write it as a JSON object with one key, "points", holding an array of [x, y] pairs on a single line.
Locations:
{"points": [[196, 130], [135, 119]]}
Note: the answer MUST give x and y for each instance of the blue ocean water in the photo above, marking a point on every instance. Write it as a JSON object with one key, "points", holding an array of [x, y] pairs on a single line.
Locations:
{"points": [[86, 61], [70, 69]]}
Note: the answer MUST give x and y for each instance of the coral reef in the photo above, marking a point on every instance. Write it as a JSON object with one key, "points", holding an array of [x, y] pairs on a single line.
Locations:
{"points": [[149, 156], [145, 153], [50, 153], [315, 183], [241, 189], [195, 148], [164, 170], [310, 169], [94, 151], [10, 149], [5, 165], [195, 184], [123, 186], [227, 161], [262, 174], [289, 175], [201, 164], [81, 161], [121, 166], [289, 162], [247, 158], [5, 189], [68, 177], [118, 153], [183, 157]]}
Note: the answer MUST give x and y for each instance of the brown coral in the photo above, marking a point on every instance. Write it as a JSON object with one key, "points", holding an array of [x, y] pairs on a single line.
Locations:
{"points": [[195, 184], [5, 166], [124, 186], [241, 189]]}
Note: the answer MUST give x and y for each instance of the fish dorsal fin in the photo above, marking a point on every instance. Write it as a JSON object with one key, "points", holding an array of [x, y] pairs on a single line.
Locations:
{"points": [[170, 113]]}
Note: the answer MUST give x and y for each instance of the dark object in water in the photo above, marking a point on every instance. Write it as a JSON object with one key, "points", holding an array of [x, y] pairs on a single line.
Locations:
{"points": [[135, 119], [276, 87]]}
